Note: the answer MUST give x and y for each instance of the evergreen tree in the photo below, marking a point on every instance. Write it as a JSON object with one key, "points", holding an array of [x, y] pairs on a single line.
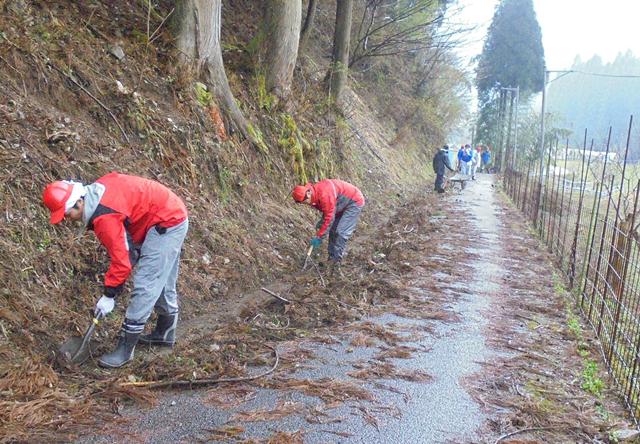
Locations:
{"points": [[512, 56]]}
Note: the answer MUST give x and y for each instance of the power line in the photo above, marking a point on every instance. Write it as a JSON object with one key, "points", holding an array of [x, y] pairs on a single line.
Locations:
{"points": [[596, 74]]}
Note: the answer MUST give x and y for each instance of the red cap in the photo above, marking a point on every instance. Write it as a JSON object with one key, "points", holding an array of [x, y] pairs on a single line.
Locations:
{"points": [[300, 191], [55, 197]]}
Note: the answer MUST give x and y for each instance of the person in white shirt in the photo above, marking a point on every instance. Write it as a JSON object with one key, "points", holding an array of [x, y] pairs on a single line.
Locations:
{"points": [[475, 162]]}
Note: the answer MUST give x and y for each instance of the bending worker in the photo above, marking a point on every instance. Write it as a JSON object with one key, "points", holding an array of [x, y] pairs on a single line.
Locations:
{"points": [[341, 204], [440, 162], [140, 222]]}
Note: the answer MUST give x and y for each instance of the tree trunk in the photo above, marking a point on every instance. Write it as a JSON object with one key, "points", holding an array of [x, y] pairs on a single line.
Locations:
{"points": [[340, 58], [282, 20], [308, 23], [198, 24]]}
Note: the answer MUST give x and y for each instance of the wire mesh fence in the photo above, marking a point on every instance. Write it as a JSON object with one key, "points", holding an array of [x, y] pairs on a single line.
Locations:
{"points": [[585, 210]]}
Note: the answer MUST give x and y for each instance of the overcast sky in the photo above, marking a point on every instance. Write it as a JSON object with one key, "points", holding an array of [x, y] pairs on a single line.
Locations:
{"points": [[569, 28]]}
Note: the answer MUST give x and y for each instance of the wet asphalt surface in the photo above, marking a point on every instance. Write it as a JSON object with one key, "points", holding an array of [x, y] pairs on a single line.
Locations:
{"points": [[436, 411]]}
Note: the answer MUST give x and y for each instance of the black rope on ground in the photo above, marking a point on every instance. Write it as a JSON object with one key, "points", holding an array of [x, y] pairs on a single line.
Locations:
{"points": [[191, 383]]}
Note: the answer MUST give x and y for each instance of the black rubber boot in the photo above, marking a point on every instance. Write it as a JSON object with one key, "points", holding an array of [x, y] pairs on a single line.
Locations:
{"points": [[334, 269], [165, 332], [123, 352]]}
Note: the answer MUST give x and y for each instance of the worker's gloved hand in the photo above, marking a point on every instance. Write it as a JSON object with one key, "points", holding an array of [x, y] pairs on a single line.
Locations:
{"points": [[315, 242], [105, 305]]}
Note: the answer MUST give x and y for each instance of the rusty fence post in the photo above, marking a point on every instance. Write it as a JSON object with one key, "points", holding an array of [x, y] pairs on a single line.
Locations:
{"points": [[593, 225], [547, 196], [551, 205], [555, 188], [564, 181], [544, 191], [519, 192], [525, 196], [566, 224], [589, 231], [619, 290], [618, 287], [583, 186], [605, 226], [613, 272], [603, 235], [535, 194], [604, 170]]}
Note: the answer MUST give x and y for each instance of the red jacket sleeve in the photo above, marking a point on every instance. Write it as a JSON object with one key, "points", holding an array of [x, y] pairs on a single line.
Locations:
{"points": [[327, 204], [111, 232]]}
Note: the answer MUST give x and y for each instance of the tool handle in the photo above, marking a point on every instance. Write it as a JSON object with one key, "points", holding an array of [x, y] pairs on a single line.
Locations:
{"points": [[309, 251], [96, 317]]}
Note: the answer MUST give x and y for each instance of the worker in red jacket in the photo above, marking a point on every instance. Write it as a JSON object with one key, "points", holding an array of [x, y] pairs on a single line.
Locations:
{"points": [[341, 204], [141, 223]]}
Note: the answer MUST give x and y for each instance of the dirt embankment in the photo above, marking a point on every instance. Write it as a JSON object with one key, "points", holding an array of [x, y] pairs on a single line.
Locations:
{"points": [[82, 94]]}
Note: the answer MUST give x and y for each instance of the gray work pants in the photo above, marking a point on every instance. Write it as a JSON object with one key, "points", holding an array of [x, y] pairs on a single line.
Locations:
{"points": [[341, 230], [155, 277]]}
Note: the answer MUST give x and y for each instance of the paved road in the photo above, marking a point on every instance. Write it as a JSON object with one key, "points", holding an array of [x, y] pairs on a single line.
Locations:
{"points": [[436, 411]]}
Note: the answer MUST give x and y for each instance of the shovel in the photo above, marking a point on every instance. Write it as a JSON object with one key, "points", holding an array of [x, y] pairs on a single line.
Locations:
{"points": [[306, 259], [78, 349]]}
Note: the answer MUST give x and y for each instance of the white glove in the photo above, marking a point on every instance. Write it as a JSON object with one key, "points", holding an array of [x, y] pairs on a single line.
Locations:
{"points": [[105, 305]]}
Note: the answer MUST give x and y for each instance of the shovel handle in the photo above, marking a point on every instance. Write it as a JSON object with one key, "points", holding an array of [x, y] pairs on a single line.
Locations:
{"points": [[306, 259]]}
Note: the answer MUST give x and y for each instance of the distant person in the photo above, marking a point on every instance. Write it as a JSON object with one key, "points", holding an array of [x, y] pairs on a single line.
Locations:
{"points": [[486, 159], [475, 162], [460, 154], [466, 158], [340, 204], [440, 164], [142, 224]]}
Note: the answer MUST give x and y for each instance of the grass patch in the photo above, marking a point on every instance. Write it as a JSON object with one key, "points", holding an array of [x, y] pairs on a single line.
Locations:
{"points": [[590, 380]]}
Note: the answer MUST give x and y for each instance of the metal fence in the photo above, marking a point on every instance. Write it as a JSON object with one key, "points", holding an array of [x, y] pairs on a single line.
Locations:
{"points": [[587, 216]]}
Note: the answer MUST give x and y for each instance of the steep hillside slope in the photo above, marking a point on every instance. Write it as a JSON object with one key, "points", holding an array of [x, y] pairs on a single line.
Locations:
{"points": [[82, 93]]}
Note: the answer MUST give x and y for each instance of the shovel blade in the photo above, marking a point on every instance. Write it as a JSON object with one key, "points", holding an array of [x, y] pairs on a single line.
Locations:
{"points": [[73, 351]]}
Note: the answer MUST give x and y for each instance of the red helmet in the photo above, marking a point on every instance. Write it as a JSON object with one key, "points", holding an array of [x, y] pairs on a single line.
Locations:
{"points": [[55, 197], [300, 191]]}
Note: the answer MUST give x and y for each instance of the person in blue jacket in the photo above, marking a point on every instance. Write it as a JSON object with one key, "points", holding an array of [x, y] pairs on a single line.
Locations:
{"points": [[486, 159], [460, 154], [465, 159]]}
